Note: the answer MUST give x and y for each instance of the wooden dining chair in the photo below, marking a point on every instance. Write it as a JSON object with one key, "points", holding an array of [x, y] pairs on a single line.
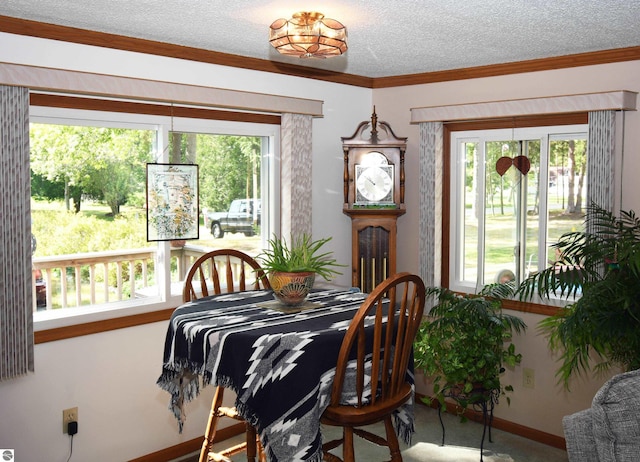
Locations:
{"points": [[388, 345], [223, 271], [216, 272]]}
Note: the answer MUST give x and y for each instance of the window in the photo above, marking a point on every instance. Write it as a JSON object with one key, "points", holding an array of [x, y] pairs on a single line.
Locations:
{"points": [[88, 205], [514, 192]]}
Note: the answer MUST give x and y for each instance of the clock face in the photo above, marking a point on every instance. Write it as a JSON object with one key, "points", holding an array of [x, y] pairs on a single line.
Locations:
{"points": [[374, 184]]}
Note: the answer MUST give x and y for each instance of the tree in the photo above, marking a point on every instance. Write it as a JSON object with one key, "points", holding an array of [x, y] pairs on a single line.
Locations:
{"points": [[119, 163], [42, 188], [570, 159], [60, 153], [104, 163], [112, 183], [227, 163], [108, 164]]}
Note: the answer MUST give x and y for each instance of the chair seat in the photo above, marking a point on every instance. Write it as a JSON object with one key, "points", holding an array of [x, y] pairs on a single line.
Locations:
{"points": [[341, 415]]}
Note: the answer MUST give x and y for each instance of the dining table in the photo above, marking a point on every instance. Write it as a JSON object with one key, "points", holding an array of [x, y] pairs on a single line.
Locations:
{"points": [[279, 360]]}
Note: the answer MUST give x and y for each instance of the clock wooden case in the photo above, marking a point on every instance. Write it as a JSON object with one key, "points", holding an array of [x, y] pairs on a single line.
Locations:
{"points": [[374, 188]]}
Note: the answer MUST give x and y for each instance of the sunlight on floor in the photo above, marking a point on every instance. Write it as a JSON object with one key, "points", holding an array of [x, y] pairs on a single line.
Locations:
{"points": [[449, 453]]}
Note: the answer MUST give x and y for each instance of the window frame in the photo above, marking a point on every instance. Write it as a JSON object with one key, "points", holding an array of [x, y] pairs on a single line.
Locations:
{"points": [[548, 307], [545, 136], [50, 325]]}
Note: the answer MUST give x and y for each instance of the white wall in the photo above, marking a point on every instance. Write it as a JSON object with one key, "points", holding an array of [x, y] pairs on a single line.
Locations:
{"points": [[111, 376], [543, 407]]}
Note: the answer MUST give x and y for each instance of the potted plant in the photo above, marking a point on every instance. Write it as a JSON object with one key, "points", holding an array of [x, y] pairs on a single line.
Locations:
{"points": [[464, 344], [598, 271], [292, 267]]}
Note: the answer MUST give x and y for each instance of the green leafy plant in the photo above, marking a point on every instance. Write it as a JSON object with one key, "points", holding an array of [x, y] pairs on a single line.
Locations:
{"points": [[465, 343], [301, 255], [599, 270]]}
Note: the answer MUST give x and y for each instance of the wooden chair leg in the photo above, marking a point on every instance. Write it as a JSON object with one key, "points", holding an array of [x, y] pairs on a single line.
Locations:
{"points": [[262, 455], [392, 440], [348, 453], [212, 424], [251, 442]]}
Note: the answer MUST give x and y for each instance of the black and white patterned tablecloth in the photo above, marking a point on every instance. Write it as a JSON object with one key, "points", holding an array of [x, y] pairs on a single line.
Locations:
{"points": [[280, 364]]}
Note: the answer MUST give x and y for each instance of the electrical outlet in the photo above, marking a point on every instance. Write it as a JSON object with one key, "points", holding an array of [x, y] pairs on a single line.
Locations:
{"points": [[69, 415], [528, 378]]}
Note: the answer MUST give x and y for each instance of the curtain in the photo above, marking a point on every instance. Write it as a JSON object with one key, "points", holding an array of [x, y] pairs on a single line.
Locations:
{"points": [[430, 191], [295, 174], [16, 297], [600, 159]]}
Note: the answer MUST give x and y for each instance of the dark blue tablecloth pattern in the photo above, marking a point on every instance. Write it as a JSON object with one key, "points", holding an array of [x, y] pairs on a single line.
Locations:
{"points": [[280, 364]]}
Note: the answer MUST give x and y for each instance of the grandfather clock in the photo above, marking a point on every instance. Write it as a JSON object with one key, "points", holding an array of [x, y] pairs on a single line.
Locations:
{"points": [[373, 199]]}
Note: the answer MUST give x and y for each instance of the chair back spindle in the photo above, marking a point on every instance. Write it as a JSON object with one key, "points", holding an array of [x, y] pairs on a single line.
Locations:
{"points": [[224, 270]]}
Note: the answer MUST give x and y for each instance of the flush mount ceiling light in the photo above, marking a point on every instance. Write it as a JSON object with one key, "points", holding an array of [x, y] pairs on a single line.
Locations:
{"points": [[308, 34]]}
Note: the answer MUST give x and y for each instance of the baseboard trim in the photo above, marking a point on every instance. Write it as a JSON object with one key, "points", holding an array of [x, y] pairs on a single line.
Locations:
{"points": [[191, 446], [501, 424]]}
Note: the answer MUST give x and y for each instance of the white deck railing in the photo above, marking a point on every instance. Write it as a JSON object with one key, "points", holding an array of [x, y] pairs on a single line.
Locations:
{"points": [[101, 277]]}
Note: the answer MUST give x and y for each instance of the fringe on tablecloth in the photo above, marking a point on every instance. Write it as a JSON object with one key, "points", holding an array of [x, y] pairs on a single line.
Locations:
{"points": [[183, 385]]}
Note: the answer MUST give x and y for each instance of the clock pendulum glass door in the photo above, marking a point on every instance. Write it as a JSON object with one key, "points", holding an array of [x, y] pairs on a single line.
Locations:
{"points": [[373, 257]]}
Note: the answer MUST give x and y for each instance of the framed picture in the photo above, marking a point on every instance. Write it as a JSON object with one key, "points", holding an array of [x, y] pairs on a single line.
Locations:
{"points": [[172, 202]]}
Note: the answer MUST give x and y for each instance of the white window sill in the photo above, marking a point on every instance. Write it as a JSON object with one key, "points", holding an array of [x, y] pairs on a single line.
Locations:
{"points": [[66, 317]]}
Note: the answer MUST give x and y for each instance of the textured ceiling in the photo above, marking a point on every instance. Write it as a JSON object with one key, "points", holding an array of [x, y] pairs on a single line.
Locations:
{"points": [[386, 37]]}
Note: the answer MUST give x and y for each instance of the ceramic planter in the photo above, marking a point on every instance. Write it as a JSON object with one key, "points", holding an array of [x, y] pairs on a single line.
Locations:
{"points": [[291, 288]]}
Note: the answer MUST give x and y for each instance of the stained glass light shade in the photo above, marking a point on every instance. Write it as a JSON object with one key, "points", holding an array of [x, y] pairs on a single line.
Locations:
{"points": [[308, 35]]}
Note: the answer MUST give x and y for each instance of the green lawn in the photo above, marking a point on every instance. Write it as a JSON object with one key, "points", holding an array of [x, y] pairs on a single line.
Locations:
{"points": [[500, 240]]}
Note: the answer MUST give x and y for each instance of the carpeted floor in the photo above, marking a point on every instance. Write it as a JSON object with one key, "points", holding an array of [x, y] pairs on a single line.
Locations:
{"points": [[462, 444]]}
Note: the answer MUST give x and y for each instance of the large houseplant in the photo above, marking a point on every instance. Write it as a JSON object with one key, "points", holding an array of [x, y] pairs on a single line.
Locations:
{"points": [[599, 272], [464, 344], [292, 266]]}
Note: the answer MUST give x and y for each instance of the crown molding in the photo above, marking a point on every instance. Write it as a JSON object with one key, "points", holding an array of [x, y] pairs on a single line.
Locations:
{"points": [[120, 42], [518, 67], [87, 37]]}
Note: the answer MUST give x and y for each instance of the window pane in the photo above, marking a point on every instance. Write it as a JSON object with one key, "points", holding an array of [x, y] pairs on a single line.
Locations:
{"points": [[89, 209], [88, 216], [529, 260], [230, 193], [469, 216], [567, 189], [501, 212], [515, 192]]}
